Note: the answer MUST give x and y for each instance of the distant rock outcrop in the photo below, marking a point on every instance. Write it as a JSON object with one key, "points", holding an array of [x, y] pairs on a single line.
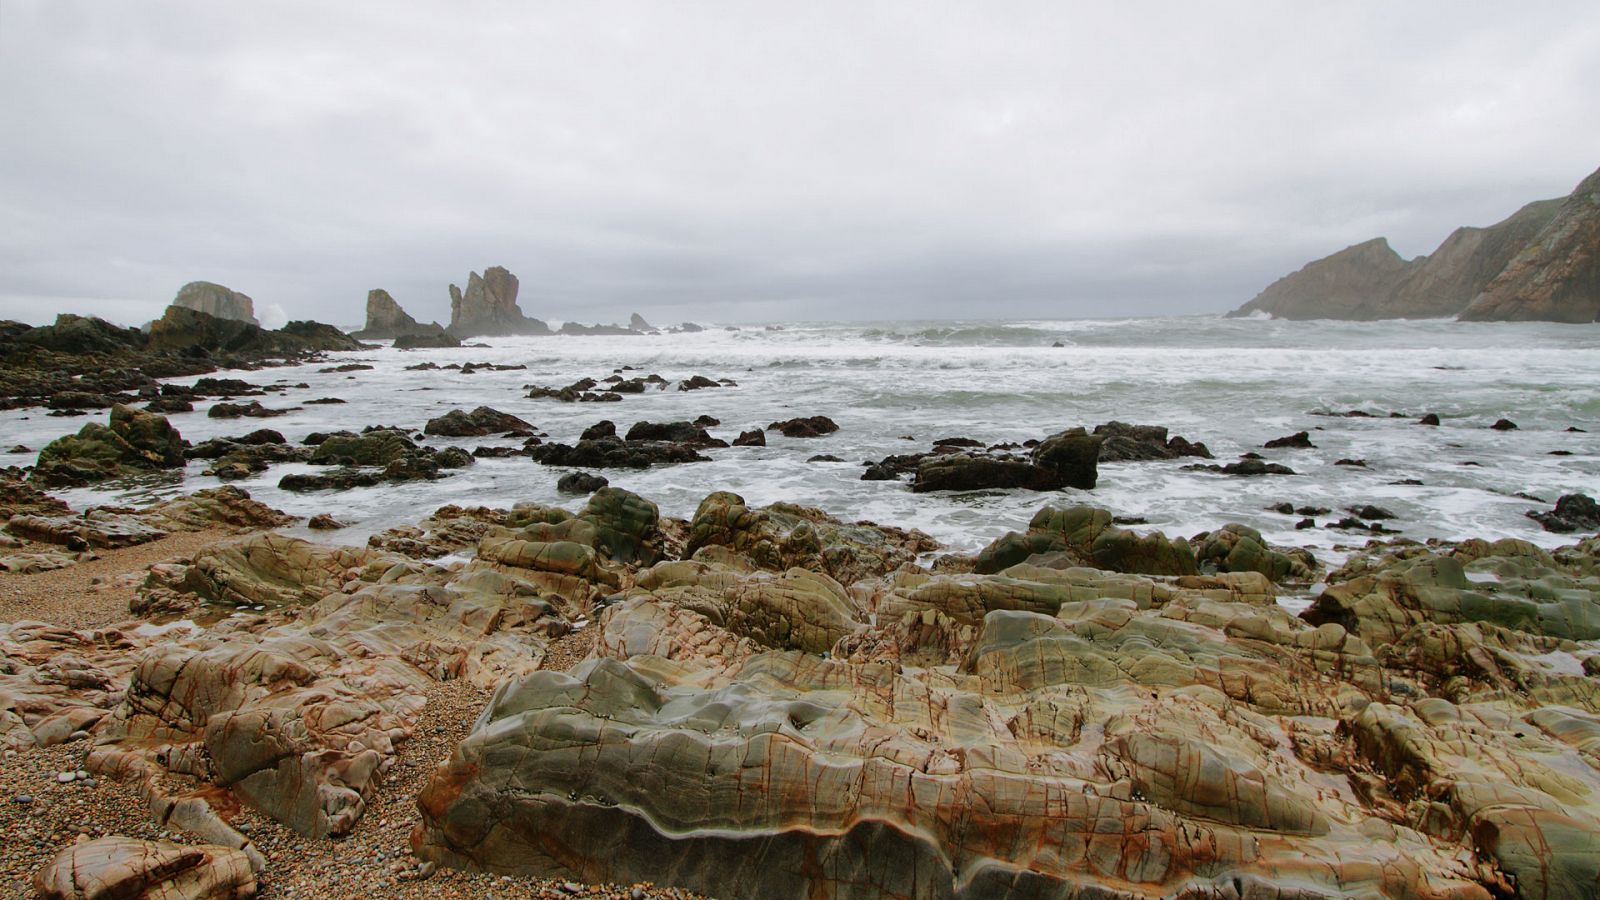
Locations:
{"points": [[1556, 277], [386, 320], [191, 331], [1542, 262], [1442, 283], [637, 323], [579, 328], [216, 300], [1335, 287], [489, 307]]}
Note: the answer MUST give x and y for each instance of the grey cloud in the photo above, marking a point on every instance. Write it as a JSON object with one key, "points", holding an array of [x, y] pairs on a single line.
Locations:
{"points": [[740, 161]]}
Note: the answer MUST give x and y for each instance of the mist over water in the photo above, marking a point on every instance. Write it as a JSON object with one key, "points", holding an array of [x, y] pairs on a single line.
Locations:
{"points": [[1231, 383]]}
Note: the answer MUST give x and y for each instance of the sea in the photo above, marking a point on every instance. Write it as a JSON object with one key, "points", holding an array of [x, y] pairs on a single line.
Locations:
{"points": [[895, 387]]}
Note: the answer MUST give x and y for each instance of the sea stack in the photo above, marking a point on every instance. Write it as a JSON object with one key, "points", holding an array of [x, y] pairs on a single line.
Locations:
{"points": [[216, 300], [489, 307], [386, 320]]}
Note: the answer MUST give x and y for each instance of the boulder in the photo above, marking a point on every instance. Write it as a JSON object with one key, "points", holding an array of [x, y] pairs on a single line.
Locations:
{"points": [[784, 536], [1073, 455], [125, 868], [1300, 440], [580, 483], [132, 443], [481, 421], [1121, 442], [805, 427], [971, 472], [1088, 537], [1573, 512], [610, 453], [686, 433]]}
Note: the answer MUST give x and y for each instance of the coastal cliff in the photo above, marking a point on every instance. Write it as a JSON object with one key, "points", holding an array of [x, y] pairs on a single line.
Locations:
{"points": [[1540, 263], [1556, 276]]}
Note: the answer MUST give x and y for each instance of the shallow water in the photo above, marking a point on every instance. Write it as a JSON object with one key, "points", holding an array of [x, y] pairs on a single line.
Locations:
{"points": [[1232, 383]]}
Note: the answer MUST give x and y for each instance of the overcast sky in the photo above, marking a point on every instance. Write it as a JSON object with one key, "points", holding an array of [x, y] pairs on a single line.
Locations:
{"points": [[752, 162]]}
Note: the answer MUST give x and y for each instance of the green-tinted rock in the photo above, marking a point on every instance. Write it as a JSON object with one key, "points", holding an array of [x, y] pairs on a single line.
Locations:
{"points": [[134, 442]]}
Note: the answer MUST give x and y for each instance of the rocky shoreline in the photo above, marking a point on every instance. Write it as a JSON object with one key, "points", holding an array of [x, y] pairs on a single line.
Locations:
{"points": [[596, 699], [539, 701]]}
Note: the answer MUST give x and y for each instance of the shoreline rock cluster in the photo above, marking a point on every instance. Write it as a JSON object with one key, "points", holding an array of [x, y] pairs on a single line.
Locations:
{"points": [[777, 702]]}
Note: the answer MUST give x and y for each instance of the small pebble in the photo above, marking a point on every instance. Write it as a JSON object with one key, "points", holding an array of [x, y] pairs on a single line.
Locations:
{"points": [[66, 777]]}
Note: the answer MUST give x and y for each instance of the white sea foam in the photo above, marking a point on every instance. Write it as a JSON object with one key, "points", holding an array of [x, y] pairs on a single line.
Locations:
{"points": [[1232, 383]]}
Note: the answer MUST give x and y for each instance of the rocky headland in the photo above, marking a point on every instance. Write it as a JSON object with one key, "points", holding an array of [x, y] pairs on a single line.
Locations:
{"points": [[1540, 263], [81, 363]]}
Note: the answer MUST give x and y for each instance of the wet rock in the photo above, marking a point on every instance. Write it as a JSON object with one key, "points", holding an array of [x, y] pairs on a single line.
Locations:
{"points": [[1245, 468], [324, 522], [1429, 419], [970, 472], [169, 405], [1073, 455], [605, 428], [1504, 425], [755, 437], [133, 442], [1121, 442], [611, 453], [1086, 534], [1573, 512], [1239, 548], [811, 426], [580, 483], [1369, 511], [686, 433], [696, 383], [481, 421], [783, 535], [1383, 598], [253, 410], [1300, 440]]}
